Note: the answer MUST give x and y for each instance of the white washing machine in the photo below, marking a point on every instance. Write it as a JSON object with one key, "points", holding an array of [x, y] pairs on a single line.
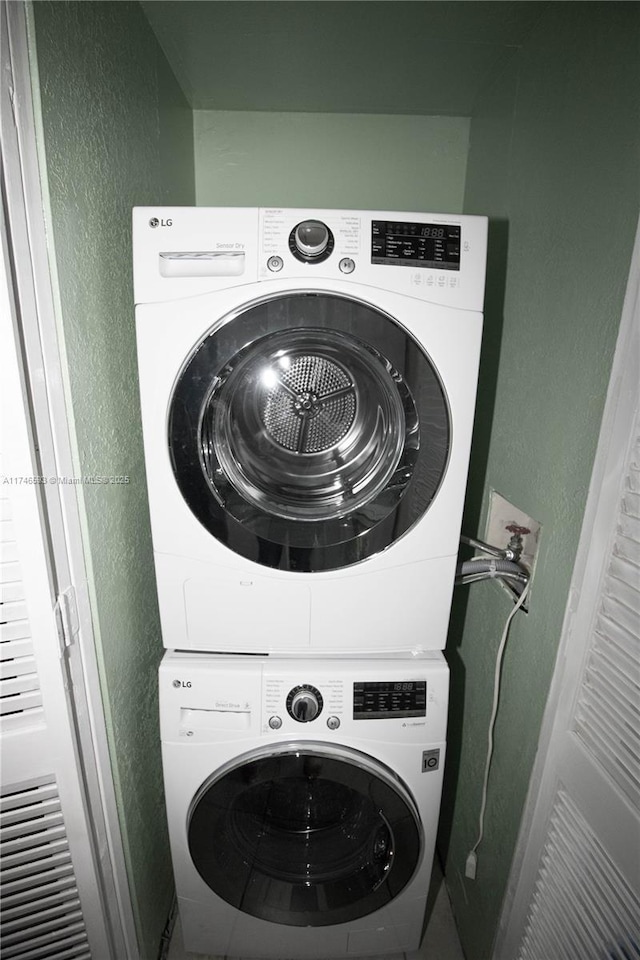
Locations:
{"points": [[302, 801], [308, 383]]}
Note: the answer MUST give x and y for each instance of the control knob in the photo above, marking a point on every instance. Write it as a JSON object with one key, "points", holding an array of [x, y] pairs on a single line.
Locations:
{"points": [[304, 703], [311, 240]]}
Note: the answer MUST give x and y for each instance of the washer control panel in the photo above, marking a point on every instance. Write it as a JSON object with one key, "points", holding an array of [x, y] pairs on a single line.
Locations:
{"points": [[339, 703], [285, 705], [385, 700], [209, 698]]}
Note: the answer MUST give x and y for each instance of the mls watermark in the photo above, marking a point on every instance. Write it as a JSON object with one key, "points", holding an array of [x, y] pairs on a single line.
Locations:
{"points": [[92, 479]]}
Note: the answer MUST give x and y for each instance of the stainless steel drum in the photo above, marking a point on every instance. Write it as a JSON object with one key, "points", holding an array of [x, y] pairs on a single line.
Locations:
{"points": [[308, 431], [307, 425]]}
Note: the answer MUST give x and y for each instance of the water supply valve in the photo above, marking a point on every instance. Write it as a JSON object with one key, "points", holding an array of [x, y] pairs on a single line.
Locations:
{"points": [[515, 543]]}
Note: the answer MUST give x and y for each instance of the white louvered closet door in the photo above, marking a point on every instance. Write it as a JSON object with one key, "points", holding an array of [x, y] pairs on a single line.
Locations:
{"points": [[575, 889], [50, 907], [587, 898]]}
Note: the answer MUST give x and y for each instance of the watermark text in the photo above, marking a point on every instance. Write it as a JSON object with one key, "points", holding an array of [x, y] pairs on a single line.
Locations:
{"points": [[91, 479]]}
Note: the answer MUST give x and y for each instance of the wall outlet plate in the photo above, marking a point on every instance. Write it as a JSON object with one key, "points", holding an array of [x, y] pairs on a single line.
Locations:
{"points": [[502, 514]]}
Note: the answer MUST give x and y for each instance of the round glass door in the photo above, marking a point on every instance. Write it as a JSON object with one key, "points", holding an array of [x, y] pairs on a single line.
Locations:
{"points": [[305, 836], [308, 431]]}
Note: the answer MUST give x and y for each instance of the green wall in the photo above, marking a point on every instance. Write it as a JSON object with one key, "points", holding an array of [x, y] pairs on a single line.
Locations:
{"points": [[554, 161], [117, 132], [361, 161]]}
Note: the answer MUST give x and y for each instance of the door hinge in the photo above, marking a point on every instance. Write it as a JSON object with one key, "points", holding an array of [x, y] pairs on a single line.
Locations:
{"points": [[66, 614]]}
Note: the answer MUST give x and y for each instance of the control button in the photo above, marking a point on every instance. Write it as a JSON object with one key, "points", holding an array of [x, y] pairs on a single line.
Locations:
{"points": [[304, 706], [311, 241], [275, 264], [304, 703], [275, 722], [312, 238], [347, 265], [333, 723]]}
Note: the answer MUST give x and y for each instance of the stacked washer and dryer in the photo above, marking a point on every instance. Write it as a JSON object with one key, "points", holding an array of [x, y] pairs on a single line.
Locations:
{"points": [[308, 384]]}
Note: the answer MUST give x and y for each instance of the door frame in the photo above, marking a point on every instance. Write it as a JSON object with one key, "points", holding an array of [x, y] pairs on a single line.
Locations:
{"points": [[44, 372], [618, 421]]}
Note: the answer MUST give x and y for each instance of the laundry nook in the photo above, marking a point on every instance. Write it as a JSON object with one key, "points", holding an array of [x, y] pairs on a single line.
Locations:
{"points": [[320, 480]]}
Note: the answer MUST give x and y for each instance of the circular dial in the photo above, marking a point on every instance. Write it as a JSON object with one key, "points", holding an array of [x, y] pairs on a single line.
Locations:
{"points": [[304, 703], [311, 240]]}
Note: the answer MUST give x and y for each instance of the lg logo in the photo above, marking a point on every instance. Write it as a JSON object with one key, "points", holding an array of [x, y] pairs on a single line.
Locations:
{"points": [[181, 683], [154, 222]]}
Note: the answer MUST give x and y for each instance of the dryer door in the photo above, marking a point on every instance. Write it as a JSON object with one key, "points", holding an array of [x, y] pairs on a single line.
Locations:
{"points": [[305, 835], [308, 431]]}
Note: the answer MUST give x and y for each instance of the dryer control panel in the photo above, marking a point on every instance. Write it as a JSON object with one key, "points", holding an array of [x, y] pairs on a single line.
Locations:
{"points": [[430, 256], [182, 252], [435, 246]]}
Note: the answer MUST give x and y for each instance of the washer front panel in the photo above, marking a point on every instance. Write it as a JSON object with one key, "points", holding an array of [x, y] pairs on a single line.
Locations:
{"points": [[308, 431], [305, 835]]}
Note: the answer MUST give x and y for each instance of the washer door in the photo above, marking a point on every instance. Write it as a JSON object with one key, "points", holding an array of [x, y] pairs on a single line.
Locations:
{"points": [[305, 835], [308, 432]]}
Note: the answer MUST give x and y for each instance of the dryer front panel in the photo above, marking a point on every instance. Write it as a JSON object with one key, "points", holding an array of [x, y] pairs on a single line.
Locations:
{"points": [[305, 835], [308, 431]]}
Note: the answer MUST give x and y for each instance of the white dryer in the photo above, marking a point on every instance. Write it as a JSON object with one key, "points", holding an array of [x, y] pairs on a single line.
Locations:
{"points": [[308, 383], [302, 801]]}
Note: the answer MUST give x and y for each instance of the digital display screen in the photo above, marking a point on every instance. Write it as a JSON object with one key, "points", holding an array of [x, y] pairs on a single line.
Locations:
{"points": [[389, 699], [432, 245]]}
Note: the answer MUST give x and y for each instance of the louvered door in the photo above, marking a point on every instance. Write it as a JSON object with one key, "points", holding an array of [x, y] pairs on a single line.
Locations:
{"points": [[607, 718], [40, 910], [587, 895], [51, 905], [20, 696], [584, 907], [575, 889]]}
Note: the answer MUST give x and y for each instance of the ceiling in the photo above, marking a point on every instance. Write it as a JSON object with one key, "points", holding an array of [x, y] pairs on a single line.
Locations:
{"points": [[426, 57]]}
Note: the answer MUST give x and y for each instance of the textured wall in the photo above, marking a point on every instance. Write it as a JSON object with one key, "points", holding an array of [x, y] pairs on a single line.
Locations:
{"points": [[554, 162], [330, 160], [117, 133]]}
